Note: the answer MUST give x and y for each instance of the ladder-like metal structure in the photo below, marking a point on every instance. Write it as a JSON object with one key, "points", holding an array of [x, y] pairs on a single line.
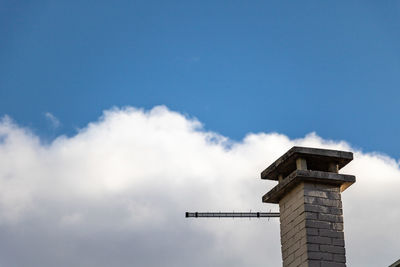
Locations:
{"points": [[231, 214]]}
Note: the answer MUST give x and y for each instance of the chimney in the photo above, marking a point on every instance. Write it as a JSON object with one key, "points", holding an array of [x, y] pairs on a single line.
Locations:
{"points": [[309, 196]]}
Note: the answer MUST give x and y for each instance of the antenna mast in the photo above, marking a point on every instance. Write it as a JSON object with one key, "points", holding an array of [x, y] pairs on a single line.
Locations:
{"points": [[231, 214]]}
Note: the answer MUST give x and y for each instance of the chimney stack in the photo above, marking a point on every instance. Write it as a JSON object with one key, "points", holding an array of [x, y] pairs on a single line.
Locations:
{"points": [[309, 196]]}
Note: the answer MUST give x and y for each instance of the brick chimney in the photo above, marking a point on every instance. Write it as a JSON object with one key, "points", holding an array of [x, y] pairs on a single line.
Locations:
{"points": [[309, 196]]}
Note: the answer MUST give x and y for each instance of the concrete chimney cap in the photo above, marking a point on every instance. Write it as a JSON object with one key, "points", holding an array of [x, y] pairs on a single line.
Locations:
{"points": [[316, 159]]}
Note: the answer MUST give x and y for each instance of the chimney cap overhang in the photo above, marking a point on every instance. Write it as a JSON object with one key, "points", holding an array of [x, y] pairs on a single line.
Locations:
{"points": [[317, 159], [343, 181]]}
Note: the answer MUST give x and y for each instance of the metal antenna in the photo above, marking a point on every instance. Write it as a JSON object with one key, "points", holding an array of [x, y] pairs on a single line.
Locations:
{"points": [[231, 214]]}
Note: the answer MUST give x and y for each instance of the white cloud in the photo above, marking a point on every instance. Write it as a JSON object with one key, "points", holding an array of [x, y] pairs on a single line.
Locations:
{"points": [[115, 195], [55, 123]]}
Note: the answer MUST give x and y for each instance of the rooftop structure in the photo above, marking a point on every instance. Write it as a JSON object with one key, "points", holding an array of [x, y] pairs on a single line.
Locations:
{"points": [[309, 196]]}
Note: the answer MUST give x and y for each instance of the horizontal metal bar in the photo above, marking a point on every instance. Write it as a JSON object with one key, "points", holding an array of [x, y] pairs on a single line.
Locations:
{"points": [[231, 214]]}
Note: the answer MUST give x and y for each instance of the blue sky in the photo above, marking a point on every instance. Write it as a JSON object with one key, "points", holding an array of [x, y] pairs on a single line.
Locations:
{"points": [[238, 66]]}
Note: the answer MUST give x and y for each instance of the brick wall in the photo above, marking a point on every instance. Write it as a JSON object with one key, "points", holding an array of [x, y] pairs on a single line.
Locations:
{"points": [[312, 226]]}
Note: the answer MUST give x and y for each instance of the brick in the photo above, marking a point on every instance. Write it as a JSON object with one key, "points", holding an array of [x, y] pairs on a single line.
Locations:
{"points": [[292, 231], [328, 202], [335, 211], [283, 213], [301, 209], [332, 264], [329, 188], [319, 240], [283, 238], [289, 259], [312, 231], [332, 249], [312, 247], [289, 241], [301, 233], [315, 193], [331, 233], [299, 219], [302, 250], [339, 258], [310, 200], [311, 215], [285, 228], [295, 263], [304, 257], [285, 253], [313, 263], [330, 217], [318, 224], [338, 241], [290, 217], [316, 208], [337, 226], [334, 195], [295, 246], [320, 256]]}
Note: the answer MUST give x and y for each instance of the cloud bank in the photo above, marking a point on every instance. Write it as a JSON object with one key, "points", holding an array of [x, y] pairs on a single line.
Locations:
{"points": [[115, 195]]}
